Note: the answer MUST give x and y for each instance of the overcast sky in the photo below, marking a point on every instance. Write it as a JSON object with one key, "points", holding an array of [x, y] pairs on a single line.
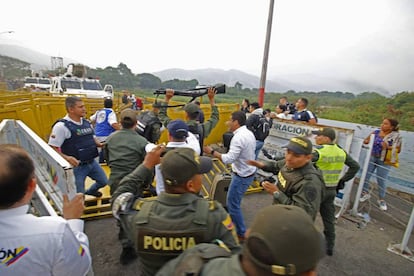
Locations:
{"points": [[355, 40]]}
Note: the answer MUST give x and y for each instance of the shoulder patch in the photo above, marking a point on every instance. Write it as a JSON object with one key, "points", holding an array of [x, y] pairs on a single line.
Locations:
{"points": [[310, 193], [211, 205], [228, 223]]}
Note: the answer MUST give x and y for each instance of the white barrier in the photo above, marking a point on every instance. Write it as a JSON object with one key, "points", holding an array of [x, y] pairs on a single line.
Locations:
{"points": [[54, 174], [283, 130]]}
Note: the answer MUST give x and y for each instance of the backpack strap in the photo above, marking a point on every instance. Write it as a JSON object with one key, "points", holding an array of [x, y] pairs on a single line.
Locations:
{"points": [[144, 207], [192, 261], [202, 209], [200, 128]]}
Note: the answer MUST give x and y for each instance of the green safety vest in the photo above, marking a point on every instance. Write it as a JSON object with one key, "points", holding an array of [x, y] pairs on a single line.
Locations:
{"points": [[331, 161]]}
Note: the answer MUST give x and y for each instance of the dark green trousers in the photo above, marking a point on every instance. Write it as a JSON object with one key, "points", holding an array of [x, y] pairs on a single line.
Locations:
{"points": [[327, 211]]}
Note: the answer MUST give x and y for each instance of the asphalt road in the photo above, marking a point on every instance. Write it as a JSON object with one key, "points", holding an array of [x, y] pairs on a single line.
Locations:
{"points": [[359, 250]]}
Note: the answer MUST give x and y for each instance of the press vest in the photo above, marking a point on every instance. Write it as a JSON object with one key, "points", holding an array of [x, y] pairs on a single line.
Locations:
{"points": [[331, 161], [103, 128], [81, 143]]}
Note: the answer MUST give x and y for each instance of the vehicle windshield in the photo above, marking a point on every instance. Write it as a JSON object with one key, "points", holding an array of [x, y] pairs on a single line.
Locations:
{"points": [[30, 80], [91, 85], [44, 81], [71, 84]]}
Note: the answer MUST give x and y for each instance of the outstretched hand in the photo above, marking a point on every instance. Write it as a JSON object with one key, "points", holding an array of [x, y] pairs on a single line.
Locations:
{"points": [[211, 92], [169, 93], [269, 187], [73, 209], [255, 163], [153, 157]]}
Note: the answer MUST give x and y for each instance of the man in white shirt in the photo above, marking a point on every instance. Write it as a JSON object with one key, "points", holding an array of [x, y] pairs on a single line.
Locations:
{"points": [[242, 148], [37, 245], [178, 135]]}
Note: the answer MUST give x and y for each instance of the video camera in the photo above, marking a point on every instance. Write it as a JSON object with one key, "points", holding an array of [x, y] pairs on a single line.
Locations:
{"points": [[194, 92]]}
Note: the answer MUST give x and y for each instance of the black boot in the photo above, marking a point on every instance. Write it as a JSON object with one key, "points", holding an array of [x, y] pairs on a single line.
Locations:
{"points": [[128, 254]]}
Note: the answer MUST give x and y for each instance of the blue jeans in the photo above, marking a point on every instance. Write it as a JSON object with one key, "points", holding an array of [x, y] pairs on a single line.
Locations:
{"points": [[375, 163], [259, 146], [238, 187], [94, 171]]}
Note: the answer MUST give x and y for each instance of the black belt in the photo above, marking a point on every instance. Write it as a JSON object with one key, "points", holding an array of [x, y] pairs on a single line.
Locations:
{"points": [[81, 163], [244, 176]]}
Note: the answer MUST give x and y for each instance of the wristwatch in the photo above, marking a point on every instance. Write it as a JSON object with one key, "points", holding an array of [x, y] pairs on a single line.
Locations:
{"points": [[212, 152], [276, 194]]}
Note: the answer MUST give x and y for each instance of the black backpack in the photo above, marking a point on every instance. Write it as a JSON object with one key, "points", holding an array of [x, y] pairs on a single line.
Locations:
{"points": [[262, 128], [149, 126], [198, 131]]}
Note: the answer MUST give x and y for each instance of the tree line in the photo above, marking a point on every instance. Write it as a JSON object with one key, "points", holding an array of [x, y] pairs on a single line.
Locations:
{"points": [[365, 108]]}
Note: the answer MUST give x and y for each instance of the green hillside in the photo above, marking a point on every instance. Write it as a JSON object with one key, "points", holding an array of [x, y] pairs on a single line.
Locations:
{"points": [[366, 108]]}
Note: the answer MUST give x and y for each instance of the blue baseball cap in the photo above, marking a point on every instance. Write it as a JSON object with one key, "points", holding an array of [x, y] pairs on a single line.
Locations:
{"points": [[178, 129]]}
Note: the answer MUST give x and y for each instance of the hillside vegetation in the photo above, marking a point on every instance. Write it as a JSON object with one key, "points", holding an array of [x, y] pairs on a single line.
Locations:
{"points": [[366, 108]]}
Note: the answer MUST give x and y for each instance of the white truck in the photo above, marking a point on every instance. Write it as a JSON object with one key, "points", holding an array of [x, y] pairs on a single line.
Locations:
{"points": [[38, 83], [69, 84]]}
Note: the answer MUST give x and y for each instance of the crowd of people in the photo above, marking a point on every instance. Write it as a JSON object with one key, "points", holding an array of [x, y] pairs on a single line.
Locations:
{"points": [[179, 230]]}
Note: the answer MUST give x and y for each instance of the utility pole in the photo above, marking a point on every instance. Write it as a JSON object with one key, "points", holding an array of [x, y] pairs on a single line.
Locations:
{"points": [[266, 54]]}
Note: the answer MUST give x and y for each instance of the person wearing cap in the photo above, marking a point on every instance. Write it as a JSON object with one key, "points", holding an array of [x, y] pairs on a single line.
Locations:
{"points": [[241, 149], [200, 117], [330, 159], [281, 241], [124, 151], [105, 123], [73, 138], [177, 136], [298, 181], [178, 218], [192, 112]]}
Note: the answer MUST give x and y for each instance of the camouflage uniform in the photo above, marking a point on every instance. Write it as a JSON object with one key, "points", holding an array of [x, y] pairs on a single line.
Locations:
{"points": [[162, 228], [303, 187]]}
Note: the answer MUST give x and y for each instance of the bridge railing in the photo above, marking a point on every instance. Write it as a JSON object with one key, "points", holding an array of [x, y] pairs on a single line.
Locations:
{"points": [[53, 173]]}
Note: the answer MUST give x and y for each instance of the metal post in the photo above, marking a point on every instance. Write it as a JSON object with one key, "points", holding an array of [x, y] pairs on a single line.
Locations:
{"points": [[407, 233], [354, 211], [266, 54]]}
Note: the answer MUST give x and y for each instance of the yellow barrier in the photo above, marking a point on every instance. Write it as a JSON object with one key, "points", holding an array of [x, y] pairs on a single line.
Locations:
{"points": [[39, 110]]}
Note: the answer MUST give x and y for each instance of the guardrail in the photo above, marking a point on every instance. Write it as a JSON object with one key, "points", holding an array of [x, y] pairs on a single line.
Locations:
{"points": [[399, 248], [54, 174]]}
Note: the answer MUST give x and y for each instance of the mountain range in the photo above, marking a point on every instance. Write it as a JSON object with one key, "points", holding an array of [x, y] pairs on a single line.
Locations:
{"points": [[280, 83]]}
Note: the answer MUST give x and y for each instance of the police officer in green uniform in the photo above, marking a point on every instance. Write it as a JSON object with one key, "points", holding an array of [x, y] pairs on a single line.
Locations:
{"points": [[281, 241], [178, 218], [192, 112], [330, 159], [298, 181]]}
